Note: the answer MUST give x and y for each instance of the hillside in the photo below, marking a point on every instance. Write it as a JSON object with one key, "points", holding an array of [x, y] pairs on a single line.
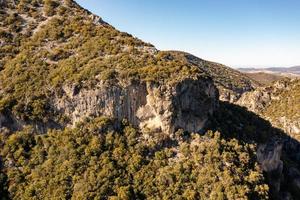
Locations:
{"points": [[264, 78], [231, 83], [96, 161], [56, 49], [59, 45], [279, 103], [89, 112], [283, 111]]}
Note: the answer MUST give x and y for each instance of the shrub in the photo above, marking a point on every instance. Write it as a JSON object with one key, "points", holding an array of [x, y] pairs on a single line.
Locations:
{"points": [[104, 164], [49, 7]]}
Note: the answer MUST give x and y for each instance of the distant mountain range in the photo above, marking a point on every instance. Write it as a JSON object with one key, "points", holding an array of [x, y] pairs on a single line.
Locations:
{"points": [[289, 71]]}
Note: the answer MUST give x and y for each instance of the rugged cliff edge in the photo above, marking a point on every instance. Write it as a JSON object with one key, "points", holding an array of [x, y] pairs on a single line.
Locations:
{"points": [[154, 106], [278, 103], [158, 107], [65, 64]]}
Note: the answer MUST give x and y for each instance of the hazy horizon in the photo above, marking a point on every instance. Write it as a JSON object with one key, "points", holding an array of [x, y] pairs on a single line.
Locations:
{"points": [[236, 33]]}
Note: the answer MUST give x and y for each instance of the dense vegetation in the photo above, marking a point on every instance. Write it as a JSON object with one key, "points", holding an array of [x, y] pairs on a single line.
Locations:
{"points": [[60, 43], [46, 44], [95, 161]]}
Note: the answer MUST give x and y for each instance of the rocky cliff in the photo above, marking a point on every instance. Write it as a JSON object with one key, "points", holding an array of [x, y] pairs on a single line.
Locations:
{"points": [[65, 64], [269, 157], [278, 103], [280, 174], [153, 106]]}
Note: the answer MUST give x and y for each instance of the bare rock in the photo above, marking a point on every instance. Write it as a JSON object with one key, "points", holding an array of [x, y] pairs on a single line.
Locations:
{"points": [[156, 106], [268, 156]]}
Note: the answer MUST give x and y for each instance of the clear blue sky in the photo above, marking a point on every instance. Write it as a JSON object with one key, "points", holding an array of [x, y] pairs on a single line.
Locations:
{"points": [[238, 33]]}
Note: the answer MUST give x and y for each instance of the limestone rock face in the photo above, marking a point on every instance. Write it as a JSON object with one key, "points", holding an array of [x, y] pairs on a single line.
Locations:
{"points": [[277, 173], [258, 99], [156, 106], [278, 104], [268, 156], [255, 100], [166, 107]]}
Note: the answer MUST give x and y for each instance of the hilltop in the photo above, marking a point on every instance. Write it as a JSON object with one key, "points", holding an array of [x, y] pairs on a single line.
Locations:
{"points": [[51, 45]]}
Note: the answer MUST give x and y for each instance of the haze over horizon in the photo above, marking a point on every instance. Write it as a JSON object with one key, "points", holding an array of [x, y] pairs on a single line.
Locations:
{"points": [[236, 33]]}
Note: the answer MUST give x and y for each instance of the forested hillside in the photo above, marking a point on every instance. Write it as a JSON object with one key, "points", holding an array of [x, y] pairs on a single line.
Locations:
{"points": [[90, 112], [48, 44], [95, 161]]}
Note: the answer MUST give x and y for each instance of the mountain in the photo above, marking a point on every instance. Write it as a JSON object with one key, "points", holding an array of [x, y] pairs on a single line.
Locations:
{"points": [[62, 62], [284, 71], [89, 112], [66, 64]]}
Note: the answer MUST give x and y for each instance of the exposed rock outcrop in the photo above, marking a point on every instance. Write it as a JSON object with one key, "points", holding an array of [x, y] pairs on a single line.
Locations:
{"points": [[268, 156], [259, 99], [160, 107], [293, 179], [278, 103], [283, 178], [256, 100]]}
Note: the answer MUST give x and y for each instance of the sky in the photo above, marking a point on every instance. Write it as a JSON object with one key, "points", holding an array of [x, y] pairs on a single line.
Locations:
{"points": [[238, 33]]}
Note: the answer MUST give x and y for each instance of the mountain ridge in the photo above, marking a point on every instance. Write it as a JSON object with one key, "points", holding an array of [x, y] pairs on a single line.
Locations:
{"points": [[285, 71]]}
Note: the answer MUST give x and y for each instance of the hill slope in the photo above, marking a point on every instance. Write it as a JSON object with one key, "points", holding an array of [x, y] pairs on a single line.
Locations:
{"points": [[55, 48], [279, 103], [230, 82], [55, 53], [96, 161], [87, 111], [264, 78]]}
